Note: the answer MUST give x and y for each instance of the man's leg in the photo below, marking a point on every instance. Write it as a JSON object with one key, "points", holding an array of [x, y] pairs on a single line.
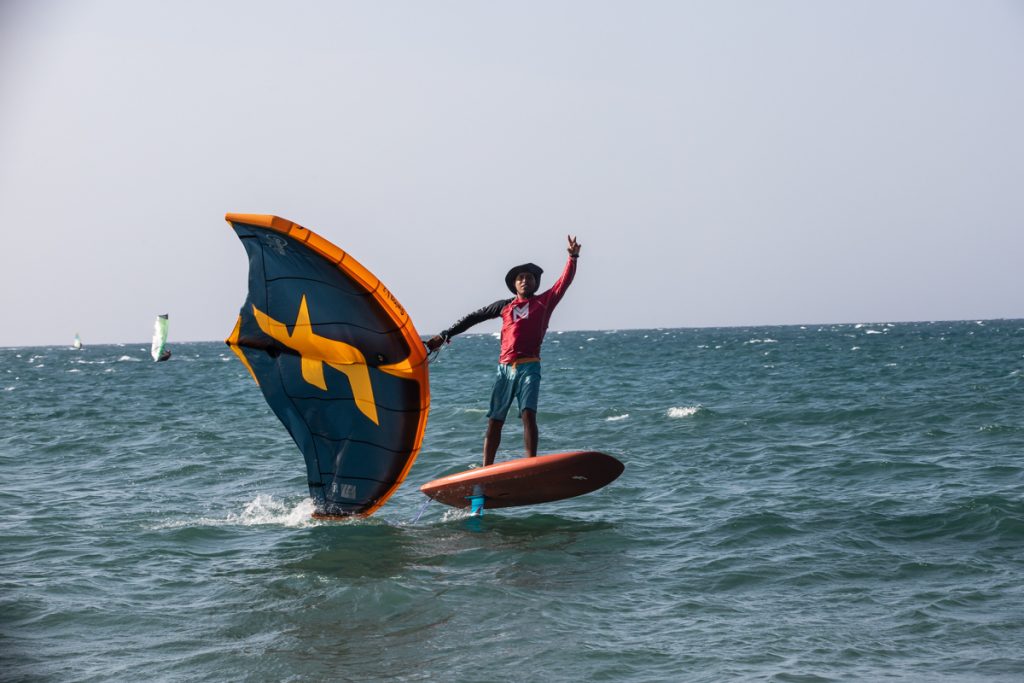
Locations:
{"points": [[492, 439], [530, 432]]}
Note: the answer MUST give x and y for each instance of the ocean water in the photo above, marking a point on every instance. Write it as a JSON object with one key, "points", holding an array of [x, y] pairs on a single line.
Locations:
{"points": [[819, 503]]}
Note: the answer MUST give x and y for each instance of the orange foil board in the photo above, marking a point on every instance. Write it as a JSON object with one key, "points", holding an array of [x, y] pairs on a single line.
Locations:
{"points": [[527, 481]]}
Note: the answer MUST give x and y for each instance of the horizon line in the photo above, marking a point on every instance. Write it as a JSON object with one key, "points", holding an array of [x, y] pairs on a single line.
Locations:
{"points": [[592, 330]]}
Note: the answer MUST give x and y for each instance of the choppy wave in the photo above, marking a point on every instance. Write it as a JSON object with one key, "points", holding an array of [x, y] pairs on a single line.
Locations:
{"points": [[261, 510]]}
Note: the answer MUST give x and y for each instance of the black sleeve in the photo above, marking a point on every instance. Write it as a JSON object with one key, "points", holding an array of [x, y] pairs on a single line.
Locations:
{"points": [[486, 313]]}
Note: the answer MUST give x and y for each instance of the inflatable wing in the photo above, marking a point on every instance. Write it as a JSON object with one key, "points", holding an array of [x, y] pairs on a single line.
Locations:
{"points": [[338, 360]]}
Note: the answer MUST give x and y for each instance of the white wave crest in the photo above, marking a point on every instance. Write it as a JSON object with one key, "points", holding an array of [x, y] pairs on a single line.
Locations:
{"points": [[682, 411], [616, 418]]}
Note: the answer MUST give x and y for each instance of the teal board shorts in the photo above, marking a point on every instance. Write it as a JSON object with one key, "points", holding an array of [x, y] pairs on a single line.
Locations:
{"points": [[520, 382]]}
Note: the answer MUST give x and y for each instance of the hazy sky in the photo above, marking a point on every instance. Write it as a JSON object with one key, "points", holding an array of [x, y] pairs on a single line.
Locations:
{"points": [[722, 163]]}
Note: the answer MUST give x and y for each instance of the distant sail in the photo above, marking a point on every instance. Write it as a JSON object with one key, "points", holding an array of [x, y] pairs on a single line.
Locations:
{"points": [[159, 348], [338, 361], [77, 344]]}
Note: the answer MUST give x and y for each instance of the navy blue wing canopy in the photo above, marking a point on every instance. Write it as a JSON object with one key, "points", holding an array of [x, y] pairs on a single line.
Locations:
{"points": [[338, 360]]}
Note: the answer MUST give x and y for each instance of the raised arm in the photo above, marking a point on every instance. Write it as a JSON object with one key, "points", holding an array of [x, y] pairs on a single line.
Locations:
{"points": [[566, 278]]}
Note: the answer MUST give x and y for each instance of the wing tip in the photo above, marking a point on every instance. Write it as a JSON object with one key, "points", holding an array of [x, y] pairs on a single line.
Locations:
{"points": [[262, 220]]}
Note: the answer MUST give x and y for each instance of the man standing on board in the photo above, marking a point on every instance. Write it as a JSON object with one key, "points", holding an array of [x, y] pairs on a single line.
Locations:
{"points": [[524, 321]]}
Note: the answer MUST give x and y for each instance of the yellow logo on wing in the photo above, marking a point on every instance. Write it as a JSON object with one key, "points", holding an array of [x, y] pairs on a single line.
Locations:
{"points": [[316, 350]]}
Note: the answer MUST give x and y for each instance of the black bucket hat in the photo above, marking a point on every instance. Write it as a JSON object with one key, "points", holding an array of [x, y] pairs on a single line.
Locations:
{"points": [[510, 279]]}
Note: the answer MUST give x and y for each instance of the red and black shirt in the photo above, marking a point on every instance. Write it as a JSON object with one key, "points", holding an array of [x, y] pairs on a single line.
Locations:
{"points": [[523, 321]]}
